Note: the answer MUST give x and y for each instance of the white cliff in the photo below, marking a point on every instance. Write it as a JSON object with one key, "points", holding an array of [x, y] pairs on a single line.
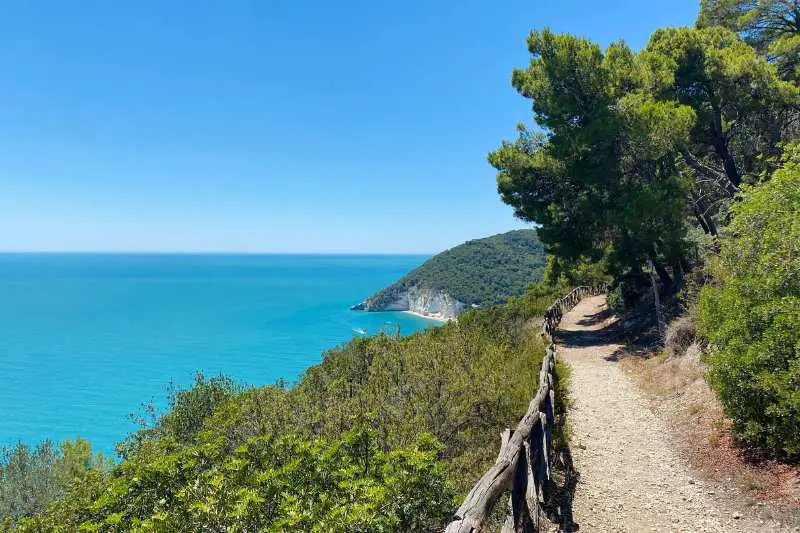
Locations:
{"points": [[423, 301]]}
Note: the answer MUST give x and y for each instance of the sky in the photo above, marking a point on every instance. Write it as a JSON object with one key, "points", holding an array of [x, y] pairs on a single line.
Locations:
{"points": [[281, 126]]}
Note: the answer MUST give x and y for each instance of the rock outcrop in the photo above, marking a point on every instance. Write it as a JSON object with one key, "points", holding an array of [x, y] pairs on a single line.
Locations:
{"points": [[423, 301]]}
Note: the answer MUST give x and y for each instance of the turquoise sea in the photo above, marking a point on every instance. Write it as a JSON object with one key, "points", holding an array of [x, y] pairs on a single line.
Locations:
{"points": [[85, 339]]}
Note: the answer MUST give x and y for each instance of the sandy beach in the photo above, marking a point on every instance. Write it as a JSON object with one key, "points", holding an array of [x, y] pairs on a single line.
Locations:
{"points": [[432, 316]]}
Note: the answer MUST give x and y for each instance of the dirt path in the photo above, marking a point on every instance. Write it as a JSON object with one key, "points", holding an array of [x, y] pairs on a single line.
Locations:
{"points": [[631, 477]]}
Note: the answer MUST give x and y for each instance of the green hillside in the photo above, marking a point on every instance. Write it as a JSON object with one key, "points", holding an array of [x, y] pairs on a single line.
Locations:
{"points": [[482, 271]]}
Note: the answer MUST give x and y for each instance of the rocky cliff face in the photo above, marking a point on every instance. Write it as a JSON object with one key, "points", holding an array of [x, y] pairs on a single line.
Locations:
{"points": [[424, 301]]}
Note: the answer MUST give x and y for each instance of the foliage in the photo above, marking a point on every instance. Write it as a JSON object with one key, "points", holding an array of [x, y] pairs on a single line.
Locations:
{"points": [[750, 314], [187, 410], [627, 291], [267, 484], [771, 26], [32, 478], [631, 146], [617, 300], [581, 271], [482, 271], [741, 105], [423, 382], [602, 181]]}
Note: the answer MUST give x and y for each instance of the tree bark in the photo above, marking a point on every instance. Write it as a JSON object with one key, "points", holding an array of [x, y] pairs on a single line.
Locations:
{"points": [[721, 147], [663, 275], [677, 271], [705, 222]]}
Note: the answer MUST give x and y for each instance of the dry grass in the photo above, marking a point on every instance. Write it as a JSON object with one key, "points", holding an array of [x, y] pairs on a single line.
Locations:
{"points": [[678, 390]]}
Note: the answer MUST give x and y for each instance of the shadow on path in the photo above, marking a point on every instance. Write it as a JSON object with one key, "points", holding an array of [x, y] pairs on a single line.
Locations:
{"points": [[580, 339], [558, 508], [599, 330], [596, 318]]}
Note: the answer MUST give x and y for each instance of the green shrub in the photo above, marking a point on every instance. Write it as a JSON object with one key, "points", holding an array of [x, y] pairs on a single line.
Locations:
{"points": [[624, 296], [31, 478], [288, 483], [751, 314], [616, 301], [188, 408], [582, 271]]}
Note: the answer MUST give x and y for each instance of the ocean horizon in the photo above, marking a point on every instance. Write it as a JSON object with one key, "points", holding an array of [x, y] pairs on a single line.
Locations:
{"points": [[87, 338]]}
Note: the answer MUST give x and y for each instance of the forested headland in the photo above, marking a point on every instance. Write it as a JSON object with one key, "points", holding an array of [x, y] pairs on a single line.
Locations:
{"points": [[479, 272]]}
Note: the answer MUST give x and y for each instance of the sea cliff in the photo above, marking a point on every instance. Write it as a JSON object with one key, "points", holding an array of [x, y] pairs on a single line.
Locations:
{"points": [[431, 303]]}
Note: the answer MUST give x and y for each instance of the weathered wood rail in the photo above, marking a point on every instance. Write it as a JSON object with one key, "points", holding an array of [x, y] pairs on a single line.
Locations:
{"points": [[526, 457]]}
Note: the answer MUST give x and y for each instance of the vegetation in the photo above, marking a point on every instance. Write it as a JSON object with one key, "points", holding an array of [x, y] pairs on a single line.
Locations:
{"points": [[635, 144], [683, 155], [380, 436], [286, 483], [30, 479], [667, 157], [771, 26], [481, 272], [751, 314]]}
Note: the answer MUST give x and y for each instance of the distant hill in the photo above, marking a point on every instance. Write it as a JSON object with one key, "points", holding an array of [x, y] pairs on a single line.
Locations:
{"points": [[479, 272]]}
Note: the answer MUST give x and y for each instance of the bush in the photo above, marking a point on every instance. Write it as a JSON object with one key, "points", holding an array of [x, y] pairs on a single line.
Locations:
{"points": [[188, 408], [31, 478], [582, 271], [615, 300], [628, 292], [680, 335], [288, 483], [751, 315]]}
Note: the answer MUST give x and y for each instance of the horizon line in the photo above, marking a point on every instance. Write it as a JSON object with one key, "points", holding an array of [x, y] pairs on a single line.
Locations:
{"points": [[199, 252]]}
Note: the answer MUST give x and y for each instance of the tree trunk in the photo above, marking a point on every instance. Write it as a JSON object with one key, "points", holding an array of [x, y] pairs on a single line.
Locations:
{"points": [[721, 178], [677, 271], [721, 147], [657, 300], [701, 221], [663, 275], [705, 222], [720, 143]]}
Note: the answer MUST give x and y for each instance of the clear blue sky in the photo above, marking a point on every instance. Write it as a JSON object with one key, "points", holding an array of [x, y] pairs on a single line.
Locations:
{"points": [[270, 125]]}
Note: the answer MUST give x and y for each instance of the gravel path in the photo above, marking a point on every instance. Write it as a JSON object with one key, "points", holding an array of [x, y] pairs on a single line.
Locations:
{"points": [[631, 477]]}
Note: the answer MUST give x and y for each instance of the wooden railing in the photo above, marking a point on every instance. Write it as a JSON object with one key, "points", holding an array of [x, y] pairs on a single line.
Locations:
{"points": [[526, 452], [553, 315]]}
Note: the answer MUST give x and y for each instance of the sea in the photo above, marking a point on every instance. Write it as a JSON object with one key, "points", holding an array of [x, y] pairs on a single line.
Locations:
{"points": [[87, 339]]}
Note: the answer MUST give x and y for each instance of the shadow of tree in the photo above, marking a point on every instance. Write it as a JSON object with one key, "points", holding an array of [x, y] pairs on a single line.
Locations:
{"points": [[580, 339], [558, 508], [597, 318], [611, 333]]}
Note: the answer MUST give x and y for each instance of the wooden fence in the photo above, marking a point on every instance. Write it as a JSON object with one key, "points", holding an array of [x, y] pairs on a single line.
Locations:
{"points": [[526, 457]]}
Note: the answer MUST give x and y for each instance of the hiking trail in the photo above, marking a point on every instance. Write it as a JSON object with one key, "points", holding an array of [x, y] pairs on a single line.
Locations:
{"points": [[632, 479]]}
